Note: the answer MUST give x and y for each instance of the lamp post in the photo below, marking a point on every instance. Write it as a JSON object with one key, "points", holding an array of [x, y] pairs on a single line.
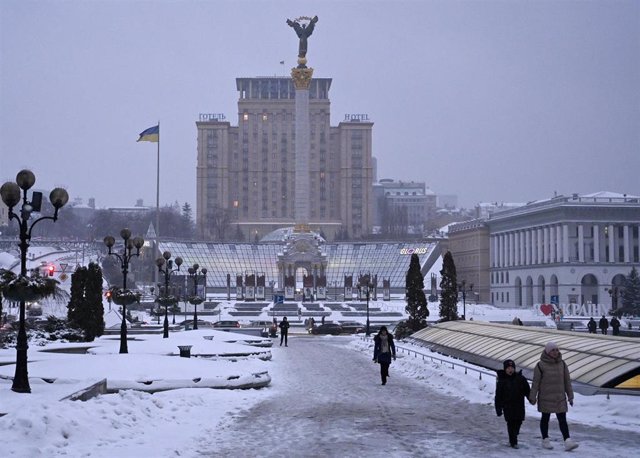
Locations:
{"points": [[367, 289], [195, 299], [616, 293], [463, 288], [11, 195], [165, 266], [124, 297]]}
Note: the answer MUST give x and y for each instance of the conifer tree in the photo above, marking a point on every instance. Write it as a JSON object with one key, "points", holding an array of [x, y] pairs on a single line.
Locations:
{"points": [[85, 310], [416, 300], [631, 294], [448, 289]]}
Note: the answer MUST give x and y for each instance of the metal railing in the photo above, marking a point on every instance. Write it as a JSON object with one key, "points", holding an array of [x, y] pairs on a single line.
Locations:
{"points": [[588, 391], [441, 361]]}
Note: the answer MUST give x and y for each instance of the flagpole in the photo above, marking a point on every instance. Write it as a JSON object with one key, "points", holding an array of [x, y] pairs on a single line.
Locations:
{"points": [[158, 203]]}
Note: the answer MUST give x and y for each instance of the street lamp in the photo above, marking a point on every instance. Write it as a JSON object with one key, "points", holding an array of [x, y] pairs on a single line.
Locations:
{"points": [[367, 289], [10, 193], [124, 297], [463, 288], [165, 266], [195, 299]]}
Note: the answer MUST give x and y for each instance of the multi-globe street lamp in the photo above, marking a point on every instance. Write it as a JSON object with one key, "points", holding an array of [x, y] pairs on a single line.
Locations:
{"points": [[165, 266], [124, 297], [11, 196], [463, 288], [195, 299]]}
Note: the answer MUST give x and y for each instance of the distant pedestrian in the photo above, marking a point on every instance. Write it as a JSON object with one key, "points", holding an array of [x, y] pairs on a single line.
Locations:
{"points": [[284, 331], [322, 319], [603, 325], [511, 391], [615, 326], [551, 389], [383, 350], [592, 326]]}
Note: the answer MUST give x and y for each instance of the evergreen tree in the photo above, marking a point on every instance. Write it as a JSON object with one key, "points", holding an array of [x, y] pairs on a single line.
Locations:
{"points": [[449, 289], [85, 310], [416, 300], [631, 294]]}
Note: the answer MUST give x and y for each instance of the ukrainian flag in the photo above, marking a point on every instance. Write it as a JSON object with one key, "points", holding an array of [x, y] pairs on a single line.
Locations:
{"points": [[152, 134]]}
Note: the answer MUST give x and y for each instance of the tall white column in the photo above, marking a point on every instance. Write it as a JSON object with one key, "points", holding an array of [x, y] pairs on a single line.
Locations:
{"points": [[627, 246], [596, 243], [545, 237], [611, 237], [540, 246], [565, 243], [512, 250], [558, 243], [580, 243], [527, 237], [552, 244]]}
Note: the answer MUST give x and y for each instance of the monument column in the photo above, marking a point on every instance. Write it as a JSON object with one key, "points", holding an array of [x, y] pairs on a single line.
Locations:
{"points": [[301, 80], [301, 76]]}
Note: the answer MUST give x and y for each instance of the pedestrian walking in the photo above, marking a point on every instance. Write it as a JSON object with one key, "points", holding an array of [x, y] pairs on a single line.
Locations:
{"points": [[284, 331], [551, 389], [615, 326], [592, 326], [604, 325], [383, 350], [511, 391]]}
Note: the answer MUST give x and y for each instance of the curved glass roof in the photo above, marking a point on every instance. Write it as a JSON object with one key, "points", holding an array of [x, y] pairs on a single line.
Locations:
{"points": [[595, 361], [386, 260]]}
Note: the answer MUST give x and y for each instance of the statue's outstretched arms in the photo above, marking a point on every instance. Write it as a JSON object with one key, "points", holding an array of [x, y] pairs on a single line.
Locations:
{"points": [[290, 22]]}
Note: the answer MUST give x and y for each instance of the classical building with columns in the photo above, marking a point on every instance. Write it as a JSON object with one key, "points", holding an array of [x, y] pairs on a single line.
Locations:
{"points": [[565, 250]]}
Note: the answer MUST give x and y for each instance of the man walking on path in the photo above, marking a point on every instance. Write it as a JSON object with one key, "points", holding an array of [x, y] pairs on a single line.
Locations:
{"points": [[615, 325], [604, 325], [284, 331]]}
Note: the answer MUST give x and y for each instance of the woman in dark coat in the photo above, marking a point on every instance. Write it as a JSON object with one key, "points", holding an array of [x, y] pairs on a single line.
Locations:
{"points": [[511, 391], [383, 350]]}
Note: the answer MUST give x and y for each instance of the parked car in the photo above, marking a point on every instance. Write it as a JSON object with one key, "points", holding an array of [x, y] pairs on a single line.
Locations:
{"points": [[260, 324], [352, 327], [375, 328], [226, 324], [189, 323], [400, 330], [327, 328]]}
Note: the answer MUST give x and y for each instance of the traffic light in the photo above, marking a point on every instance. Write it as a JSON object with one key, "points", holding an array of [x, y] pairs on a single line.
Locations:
{"points": [[51, 269], [108, 295]]}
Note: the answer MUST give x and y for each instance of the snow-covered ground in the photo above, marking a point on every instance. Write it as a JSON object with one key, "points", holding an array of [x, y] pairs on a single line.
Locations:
{"points": [[169, 423]]}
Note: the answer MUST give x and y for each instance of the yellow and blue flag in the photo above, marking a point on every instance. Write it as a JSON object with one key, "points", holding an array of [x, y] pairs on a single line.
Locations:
{"points": [[152, 134]]}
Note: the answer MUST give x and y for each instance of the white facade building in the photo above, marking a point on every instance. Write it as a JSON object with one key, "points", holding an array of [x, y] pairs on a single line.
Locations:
{"points": [[565, 250]]}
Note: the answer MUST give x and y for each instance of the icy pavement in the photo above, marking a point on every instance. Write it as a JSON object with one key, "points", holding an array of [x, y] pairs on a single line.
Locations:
{"points": [[327, 401]]}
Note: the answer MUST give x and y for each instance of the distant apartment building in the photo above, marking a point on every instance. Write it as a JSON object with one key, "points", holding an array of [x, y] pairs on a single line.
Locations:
{"points": [[564, 250], [486, 209], [246, 173], [412, 199], [447, 201]]}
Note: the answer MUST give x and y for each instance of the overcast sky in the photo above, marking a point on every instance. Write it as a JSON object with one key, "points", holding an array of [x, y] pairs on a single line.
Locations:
{"points": [[490, 100]]}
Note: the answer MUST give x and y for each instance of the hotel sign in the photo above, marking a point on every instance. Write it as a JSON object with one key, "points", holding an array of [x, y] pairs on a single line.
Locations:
{"points": [[212, 117], [356, 118]]}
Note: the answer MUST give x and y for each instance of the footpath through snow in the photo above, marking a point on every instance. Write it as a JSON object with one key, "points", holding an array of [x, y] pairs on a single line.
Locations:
{"points": [[326, 400]]}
